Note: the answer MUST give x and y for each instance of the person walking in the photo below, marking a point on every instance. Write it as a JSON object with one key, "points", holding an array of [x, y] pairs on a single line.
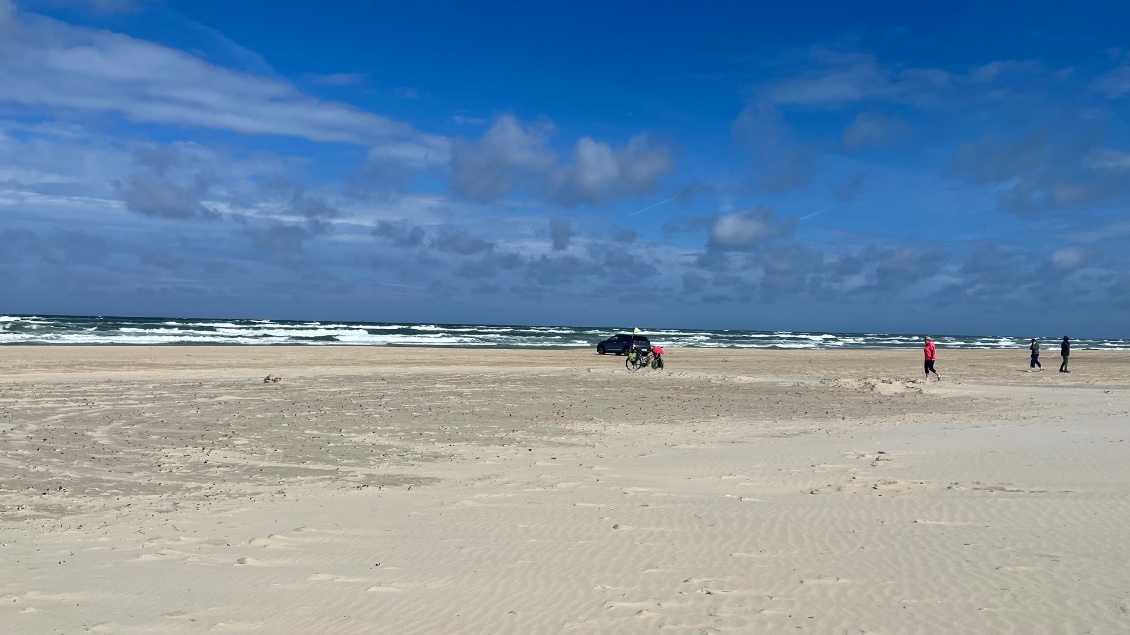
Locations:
{"points": [[1035, 348], [1064, 352], [931, 357]]}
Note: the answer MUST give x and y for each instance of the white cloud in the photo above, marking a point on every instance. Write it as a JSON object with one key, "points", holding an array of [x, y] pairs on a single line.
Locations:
{"points": [[835, 79], [993, 70], [46, 64], [599, 172], [1109, 160], [511, 156], [1116, 83], [747, 229], [1070, 258], [843, 78], [506, 155], [870, 129]]}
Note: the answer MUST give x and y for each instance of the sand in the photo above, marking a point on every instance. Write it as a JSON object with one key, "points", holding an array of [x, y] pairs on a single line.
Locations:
{"points": [[401, 490]]}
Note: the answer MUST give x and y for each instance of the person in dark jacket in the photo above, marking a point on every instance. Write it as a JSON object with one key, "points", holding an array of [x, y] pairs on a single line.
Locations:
{"points": [[1035, 348], [1064, 352]]}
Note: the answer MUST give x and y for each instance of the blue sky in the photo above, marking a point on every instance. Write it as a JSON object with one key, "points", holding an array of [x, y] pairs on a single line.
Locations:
{"points": [[947, 167]]}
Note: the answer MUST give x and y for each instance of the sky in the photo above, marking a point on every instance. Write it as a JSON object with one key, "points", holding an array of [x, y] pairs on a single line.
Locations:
{"points": [[942, 167]]}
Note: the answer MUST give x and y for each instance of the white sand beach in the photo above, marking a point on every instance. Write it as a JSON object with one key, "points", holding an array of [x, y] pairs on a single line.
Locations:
{"points": [[405, 490]]}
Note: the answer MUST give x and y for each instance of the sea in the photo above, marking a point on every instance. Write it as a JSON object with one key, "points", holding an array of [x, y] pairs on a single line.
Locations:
{"points": [[86, 330]]}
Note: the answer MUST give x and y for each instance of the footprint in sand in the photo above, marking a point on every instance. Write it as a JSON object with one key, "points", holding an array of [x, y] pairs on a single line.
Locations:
{"points": [[827, 580], [326, 577], [384, 589], [250, 562], [233, 626]]}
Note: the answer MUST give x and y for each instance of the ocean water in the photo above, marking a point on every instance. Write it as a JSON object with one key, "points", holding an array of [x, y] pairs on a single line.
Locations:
{"points": [[54, 329]]}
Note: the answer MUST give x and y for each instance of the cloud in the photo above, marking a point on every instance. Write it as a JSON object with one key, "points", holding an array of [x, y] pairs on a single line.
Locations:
{"points": [[839, 79], [899, 268], [284, 238], [558, 270], [157, 197], [406, 92], [159, 258], [747, 229], [1051, 168], [995, 273], [296, 201], [794, 172], [874, 130], [154, 191], [992, 271], [1119, 291], [503, 159], [512, 157], [460, 242], [1116, 83], [715, 260], [791, 270], [99, 6], [848, 190], [761, 127], [61, 247], [338, 80], [399, 234], [624, 236], [993, 70], [623, 263], [599, 172], [488, 266], [560, 233], [46, 64], [1070, 258], [1108, 159], [464, 120], [693, 283], [783, 165], [797, 271]]}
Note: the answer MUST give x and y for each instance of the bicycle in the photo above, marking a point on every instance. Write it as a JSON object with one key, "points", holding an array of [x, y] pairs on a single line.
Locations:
{"points": [[637, 359]]}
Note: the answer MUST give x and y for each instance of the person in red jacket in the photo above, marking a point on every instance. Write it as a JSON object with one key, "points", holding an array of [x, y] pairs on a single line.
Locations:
{"points": [[931, 357]]}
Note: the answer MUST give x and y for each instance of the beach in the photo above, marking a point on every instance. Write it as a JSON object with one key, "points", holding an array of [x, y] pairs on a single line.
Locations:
{"points": [[424, 490]]}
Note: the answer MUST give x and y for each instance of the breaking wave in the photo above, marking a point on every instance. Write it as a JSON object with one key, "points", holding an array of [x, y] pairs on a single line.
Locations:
{"points": [[80, 330]]}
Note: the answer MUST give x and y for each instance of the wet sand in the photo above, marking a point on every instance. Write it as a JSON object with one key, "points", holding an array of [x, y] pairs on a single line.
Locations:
{"points": [[406, 490]]}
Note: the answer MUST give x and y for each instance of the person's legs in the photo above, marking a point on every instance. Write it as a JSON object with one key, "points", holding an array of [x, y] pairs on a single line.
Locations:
{"points": [[1035, 362], [1063, 365], [1065, 359]]}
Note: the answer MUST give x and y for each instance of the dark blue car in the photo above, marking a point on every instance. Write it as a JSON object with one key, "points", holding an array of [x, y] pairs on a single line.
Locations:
{"points": [[620, 344]]}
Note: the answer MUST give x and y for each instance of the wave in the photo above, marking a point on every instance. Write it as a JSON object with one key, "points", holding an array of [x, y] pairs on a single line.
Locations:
{"points": [[92, 330]]}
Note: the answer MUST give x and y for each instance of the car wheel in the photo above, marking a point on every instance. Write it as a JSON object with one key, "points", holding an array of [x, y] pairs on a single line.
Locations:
{"points": [[600, 350]]}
